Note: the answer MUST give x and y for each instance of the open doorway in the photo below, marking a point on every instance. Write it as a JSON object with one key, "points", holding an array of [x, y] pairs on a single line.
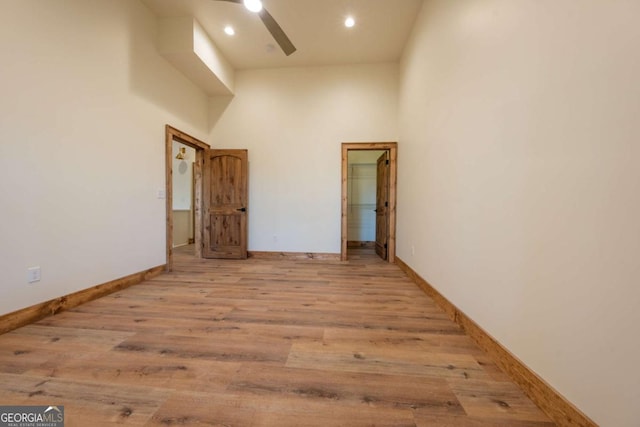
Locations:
{"points": [[362, 197], [175, 140], [183, 185], [369, 173]]}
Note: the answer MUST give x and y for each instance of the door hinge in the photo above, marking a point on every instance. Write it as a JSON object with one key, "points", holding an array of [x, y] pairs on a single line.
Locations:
{"points": [[385, 246], [386, 204], [387, 161]]}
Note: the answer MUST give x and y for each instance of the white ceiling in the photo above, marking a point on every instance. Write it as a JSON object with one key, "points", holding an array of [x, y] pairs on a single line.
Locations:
{"points": [[316, 28]]}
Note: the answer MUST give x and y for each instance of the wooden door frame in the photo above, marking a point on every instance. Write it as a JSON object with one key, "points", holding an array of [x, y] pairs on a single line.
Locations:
{"points": [[173, 134], [392, 147]]}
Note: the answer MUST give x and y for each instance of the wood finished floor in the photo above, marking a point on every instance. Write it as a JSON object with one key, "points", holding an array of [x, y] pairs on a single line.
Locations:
{"points": [[262, 343]]}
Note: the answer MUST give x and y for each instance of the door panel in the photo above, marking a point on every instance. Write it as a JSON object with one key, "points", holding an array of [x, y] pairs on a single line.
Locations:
{"points": [[382, 205], [225, 204]]}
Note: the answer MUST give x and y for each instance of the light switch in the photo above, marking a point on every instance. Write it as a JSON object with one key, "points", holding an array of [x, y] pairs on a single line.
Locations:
{"points": [[33, 274]]}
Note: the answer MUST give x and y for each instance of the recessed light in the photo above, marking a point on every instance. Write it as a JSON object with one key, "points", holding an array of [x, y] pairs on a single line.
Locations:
{"points": [[253, 5], [349, 22], [229, 30]]}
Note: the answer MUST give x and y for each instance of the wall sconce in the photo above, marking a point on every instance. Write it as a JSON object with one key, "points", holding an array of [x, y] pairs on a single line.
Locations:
{"points": [[181, 153]]}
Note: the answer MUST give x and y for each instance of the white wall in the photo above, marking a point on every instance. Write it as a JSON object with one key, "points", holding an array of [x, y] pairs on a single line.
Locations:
{"points": [[182, 178], [293, 122], [518, 183], [85, 98]]}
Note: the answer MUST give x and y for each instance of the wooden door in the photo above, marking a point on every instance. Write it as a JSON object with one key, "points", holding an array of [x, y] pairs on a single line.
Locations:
{"points": [[382, 205], [225, 204]]}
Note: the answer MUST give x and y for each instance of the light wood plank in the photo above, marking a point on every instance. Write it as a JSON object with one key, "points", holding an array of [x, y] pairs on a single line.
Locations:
{"points": [[294, 255], [142, 369], [378, 359], [348, 388], [480, 400], [86, 403]]}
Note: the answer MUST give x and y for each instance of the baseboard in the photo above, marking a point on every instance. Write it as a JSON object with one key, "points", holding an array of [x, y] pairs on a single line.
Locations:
{"points": [[360, 244], [294, 256], [559, 409], [25, 316]]}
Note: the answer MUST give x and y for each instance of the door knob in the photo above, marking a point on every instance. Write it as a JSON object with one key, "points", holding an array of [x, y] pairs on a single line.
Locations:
{"points": [[241, 209]]}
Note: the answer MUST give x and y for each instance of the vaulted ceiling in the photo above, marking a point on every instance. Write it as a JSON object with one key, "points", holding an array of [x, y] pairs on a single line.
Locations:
{"points": [[316, 28]]}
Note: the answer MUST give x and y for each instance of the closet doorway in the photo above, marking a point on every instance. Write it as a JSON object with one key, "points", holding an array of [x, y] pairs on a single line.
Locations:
{"points": [[369, 173]]}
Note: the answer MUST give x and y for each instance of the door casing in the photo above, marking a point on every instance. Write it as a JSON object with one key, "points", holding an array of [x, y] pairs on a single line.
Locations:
{"points": [[392, 148], [173, 134]]}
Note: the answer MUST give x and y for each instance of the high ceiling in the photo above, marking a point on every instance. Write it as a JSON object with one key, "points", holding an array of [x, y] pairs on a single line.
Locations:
{"points": [[316, 28]]}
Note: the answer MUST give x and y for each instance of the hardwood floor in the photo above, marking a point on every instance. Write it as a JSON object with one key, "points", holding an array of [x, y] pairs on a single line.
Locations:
{"points": [[262, 343]]}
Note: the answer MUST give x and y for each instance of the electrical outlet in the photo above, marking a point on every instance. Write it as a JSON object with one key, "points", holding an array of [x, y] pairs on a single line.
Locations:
{"points": [[33, 274], [413, 250], [162, 194]]}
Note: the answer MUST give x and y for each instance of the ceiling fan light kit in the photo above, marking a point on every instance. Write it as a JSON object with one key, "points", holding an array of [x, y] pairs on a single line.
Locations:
{"points": [[272, 26], [253, 5]]}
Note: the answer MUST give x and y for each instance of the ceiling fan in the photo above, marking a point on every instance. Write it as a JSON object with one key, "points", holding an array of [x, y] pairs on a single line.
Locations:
{"points": [[276, 31]]}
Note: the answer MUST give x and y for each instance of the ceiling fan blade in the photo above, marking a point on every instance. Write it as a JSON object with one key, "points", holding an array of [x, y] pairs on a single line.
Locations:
{"points": [[277, 32]]}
